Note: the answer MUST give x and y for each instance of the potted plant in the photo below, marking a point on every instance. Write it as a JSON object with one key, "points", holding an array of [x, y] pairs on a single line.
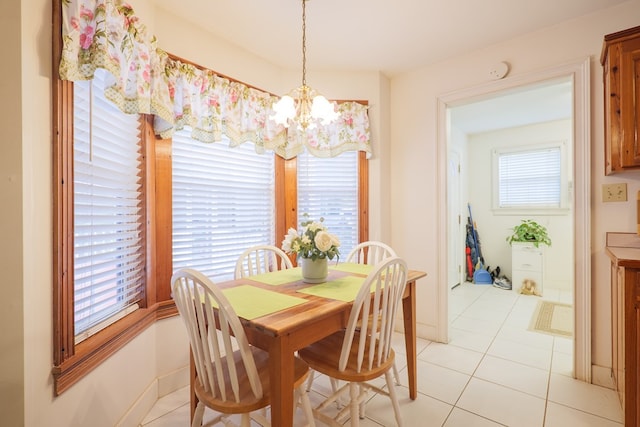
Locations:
{"points": [[530, 231]]}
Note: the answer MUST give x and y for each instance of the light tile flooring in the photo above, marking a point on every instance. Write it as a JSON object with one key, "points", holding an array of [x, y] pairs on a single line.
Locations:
{"points": [[494, 372]]}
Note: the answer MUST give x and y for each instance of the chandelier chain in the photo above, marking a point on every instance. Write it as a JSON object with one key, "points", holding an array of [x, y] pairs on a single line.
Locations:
{"points": [[304, 43]]}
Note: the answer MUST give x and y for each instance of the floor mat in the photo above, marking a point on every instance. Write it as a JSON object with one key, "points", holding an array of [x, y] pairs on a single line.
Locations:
{"points": [[553, 318]]}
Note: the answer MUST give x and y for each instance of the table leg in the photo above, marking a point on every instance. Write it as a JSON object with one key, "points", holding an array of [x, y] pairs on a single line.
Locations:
{"points": [[281, 378], [409, 317]]}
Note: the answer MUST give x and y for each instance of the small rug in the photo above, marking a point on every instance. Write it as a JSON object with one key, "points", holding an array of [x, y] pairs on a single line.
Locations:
{"points": [[553, 318]]}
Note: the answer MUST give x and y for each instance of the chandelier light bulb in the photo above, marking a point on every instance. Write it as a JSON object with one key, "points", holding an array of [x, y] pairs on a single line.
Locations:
{"points": [[304, 107]]}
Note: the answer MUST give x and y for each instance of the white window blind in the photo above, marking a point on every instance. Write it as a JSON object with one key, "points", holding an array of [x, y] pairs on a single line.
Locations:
{"points": [[328, 188], [109, 256], [223, 203], [530, 178]]}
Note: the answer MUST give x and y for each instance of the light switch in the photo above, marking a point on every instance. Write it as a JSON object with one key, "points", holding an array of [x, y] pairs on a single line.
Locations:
{"points": [[614, 192]]}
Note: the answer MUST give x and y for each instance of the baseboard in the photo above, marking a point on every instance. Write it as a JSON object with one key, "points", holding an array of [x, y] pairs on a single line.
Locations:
{"points": [[141, 407], [158, 388], [601, 375], [173, 381]]}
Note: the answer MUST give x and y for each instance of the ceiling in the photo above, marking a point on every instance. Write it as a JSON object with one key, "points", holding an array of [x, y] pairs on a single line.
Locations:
{"points": [[381, 35], [395, 37]]}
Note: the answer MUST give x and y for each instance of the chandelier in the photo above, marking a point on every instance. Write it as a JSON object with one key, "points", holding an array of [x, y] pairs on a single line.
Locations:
{"points": [[304, 107]]}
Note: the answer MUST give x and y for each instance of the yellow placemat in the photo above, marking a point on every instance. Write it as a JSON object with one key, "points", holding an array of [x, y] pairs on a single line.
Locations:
{"points": [[279, 277], [342, 289], [352, 267], [251, 302]]}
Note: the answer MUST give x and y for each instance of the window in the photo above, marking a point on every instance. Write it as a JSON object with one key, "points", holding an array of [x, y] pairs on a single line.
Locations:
{"points": [[103, 270], [329, 188], [108, 210], [223, 203], [530, 178]]}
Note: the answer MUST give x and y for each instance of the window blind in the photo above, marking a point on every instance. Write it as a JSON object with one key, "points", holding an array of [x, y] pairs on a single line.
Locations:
{"points": [[328, 188], [108, 209], [223, 203], [530, 178]]}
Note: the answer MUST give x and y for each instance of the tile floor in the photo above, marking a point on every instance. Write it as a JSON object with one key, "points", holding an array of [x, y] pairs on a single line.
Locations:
{"points": [[494, 372]]}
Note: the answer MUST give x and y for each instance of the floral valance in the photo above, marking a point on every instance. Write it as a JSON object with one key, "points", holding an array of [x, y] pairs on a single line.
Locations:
{"points": [[144, 79]]}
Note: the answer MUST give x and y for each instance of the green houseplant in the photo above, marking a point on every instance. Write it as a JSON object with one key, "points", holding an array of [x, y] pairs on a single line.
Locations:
{"points": [[530, 231]]}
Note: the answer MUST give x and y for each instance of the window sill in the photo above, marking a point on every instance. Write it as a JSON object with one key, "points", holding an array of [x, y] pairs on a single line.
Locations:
{"points": [[96, 349]]}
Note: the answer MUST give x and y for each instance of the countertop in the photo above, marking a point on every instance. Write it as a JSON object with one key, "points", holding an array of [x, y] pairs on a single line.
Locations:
{"points": [[624, 249]]}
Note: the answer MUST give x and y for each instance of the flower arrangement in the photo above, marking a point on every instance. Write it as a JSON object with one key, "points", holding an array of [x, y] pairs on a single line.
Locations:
{"points": [[313, 242]]}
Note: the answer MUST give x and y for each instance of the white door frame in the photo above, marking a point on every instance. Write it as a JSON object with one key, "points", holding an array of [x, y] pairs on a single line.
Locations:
{"points": [[579, 72]]}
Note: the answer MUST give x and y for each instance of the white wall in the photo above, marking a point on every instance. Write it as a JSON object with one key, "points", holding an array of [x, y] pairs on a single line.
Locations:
{"points": [[494, 228], [415, 165], [12, 349]]}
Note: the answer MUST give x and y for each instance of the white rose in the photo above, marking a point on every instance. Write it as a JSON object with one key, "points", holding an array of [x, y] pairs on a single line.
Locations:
{"points": [[335, 240], [291, 236], [323, 241]]}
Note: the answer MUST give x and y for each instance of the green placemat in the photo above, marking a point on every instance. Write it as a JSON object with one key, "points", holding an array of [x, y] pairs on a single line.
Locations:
{"points": [[343, 289], [352, 267], [251, 302], [279, 277]]}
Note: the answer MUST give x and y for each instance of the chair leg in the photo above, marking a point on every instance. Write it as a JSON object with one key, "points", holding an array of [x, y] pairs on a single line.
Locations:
{"points": [[245, 420], [354, 404], [335, 385], [197, 415], [394, 398], [396, 374], [362, 399], [303, 397], [310, 380]]}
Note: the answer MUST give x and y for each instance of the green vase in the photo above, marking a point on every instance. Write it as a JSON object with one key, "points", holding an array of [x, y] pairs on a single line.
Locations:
{"points": [[314, 271]]}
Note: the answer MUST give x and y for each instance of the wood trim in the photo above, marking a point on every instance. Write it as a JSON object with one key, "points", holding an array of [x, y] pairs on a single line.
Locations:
{"points": [[291, 198], [62, 149], [280, 199], [149, 194], [164, 218], [363, 196]]}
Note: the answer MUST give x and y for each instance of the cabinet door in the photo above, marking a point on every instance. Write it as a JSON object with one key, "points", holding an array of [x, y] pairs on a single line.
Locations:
{"points": [[621, 73], [629, 101]]}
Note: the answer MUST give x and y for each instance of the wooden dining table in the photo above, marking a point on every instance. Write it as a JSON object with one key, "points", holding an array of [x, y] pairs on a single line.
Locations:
{"points": [[282, 314]]}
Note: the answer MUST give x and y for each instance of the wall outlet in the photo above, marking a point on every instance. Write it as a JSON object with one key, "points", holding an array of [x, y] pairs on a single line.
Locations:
{"points": [[614, 192]]}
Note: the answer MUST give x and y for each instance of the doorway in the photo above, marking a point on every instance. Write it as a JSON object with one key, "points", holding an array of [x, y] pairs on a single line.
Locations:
{"points": [[577, 74]]}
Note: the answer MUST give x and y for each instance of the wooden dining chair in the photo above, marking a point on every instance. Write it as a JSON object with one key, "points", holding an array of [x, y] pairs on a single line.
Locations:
{"points": [[362, 352], [232, 377], [261, 259], [370, 252]]}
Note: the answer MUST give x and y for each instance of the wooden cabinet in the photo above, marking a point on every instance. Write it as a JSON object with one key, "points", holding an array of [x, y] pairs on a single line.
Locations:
{"points": [[527, 263], [621, 72], [625, 321]]}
